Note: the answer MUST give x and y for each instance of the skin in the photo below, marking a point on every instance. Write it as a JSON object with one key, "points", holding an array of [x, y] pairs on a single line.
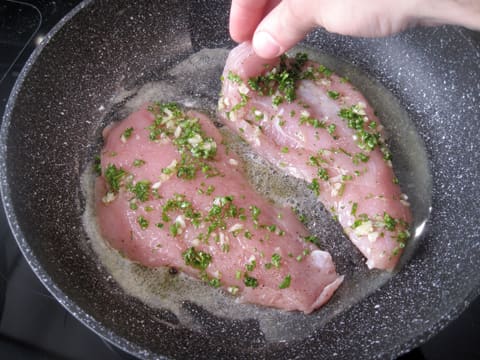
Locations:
{"points": [[275, 26]]}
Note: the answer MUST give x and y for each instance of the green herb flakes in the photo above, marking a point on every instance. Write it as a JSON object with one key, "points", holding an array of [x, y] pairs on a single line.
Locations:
{"points": [[333, 94], [113, 176], [234, 77], [142, 222], [196, 259], [389, 221], [286, 282], [97, 165], [360, 157], [331, 128], [250, 281], [324, 70], [138, 162], [174, 229], [214, 283], [251, 265], [255, 212], [312, 239], [276, 258], [354, 209], [141, 190], [133, 205], [315, 187], [323, 174], [127, 134]]}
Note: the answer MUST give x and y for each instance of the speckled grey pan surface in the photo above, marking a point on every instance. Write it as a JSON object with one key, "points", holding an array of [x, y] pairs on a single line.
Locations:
{"points": [[52, 128]]}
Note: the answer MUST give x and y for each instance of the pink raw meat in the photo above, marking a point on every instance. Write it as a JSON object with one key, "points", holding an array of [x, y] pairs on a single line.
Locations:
{"points": [[316, 126], [171, 195]]}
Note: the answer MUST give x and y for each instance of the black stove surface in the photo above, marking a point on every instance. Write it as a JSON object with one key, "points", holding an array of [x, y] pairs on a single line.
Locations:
{"points": [[33, 325]]}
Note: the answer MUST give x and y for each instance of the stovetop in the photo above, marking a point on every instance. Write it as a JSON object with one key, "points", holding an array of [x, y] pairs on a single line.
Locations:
{"points": [[33, 325]]}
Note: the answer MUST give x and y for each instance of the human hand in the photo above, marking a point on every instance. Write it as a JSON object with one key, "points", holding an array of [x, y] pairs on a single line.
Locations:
{"points": [[274, 26]]}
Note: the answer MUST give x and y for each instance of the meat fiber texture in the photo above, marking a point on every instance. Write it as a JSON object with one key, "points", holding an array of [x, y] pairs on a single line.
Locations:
{"points": [[316, 126], [172, 195]]}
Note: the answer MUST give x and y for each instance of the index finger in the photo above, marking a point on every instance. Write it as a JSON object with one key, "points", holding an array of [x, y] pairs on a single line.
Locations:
{"points": [[245, 15]]}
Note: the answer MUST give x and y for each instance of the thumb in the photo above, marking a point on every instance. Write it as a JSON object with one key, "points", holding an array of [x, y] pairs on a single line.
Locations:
{"points": [[288, 23]]}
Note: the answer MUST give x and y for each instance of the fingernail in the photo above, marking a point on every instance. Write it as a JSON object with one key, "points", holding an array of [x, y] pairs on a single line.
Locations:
{"points": [[265, 45]]}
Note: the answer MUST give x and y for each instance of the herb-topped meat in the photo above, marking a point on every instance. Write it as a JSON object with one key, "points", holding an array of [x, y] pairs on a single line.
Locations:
{"points": [[316, 126], [170, 194]]}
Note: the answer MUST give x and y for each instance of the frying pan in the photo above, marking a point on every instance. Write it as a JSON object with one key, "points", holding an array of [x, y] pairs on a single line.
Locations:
{"points": [[51, 131]]}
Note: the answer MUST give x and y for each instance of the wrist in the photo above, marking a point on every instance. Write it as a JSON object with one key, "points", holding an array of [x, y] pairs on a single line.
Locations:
{"points": [[455, 12]]}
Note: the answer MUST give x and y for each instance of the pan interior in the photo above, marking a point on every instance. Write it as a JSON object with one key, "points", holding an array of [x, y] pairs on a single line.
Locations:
{"points": [[195, 83]]}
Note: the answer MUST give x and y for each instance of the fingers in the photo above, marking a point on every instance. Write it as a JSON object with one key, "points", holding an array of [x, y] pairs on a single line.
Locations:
{"points": [[284, 26], [244, 18]]}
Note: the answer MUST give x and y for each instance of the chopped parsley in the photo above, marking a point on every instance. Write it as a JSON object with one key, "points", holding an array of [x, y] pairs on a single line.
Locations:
{"points": [[138, 162], [141, 190], [251, 265], [367, 139], [354, 209], [178, 203], [113, 176], [403, 236], [354, 116], [174, 229], [276, 258], [333, 94], [142, 222], [214, 283], [277, 100], [323, 174], [187, 135], [306, 119], [324, 70], [387, 155], [314, 186], [312, 239], [97, 165], [187, 168], [250, 281], [360, 157], [286, 282], [389, 221], [271, 228], [133, 205], [234, 77], [282, 79], [196, 259], [255, 212], [239, 105], [331, 128], [127, 133], [301, 217]]}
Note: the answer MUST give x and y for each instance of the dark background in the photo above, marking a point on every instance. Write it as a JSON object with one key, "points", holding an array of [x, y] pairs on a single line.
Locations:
{"points": [[32, 324]]}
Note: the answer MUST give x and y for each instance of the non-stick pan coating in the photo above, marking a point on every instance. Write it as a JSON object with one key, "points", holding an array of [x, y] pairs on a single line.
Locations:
{"points": [[51, 130]]}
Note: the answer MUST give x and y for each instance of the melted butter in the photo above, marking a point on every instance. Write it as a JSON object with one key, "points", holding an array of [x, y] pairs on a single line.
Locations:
{"points": [[195, 83]]}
